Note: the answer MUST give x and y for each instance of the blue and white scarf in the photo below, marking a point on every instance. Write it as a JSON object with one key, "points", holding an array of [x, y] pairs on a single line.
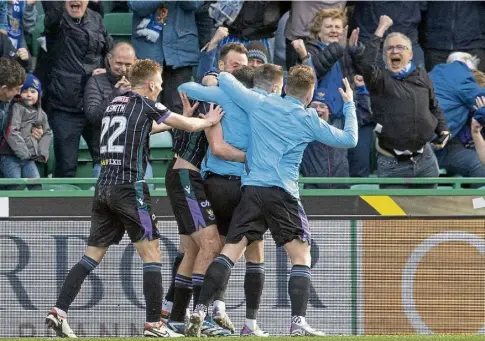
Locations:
{"points": [[405, 71], [15, 13]]}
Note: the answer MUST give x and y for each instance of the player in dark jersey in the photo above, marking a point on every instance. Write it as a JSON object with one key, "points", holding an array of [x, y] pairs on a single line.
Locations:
{"points": [[199, 235], [122, 200]]}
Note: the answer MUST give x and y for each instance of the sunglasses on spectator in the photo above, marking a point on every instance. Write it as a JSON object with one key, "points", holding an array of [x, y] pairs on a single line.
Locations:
{"points": [[397, 48]]}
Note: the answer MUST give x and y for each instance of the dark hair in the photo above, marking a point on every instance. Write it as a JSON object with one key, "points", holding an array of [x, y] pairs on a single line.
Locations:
{"points": [[266, 75], [245, 74], [12, 74], [301, 79], [143, 69], [236, 47]]}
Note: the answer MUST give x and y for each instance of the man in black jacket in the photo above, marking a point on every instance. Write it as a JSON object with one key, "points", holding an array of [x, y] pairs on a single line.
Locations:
{"points": [[405, 109], [99, 88], [78, 43]]}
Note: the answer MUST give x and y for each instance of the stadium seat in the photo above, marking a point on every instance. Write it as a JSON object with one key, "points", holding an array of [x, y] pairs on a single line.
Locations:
{"points": [[84, 162], [49, 187], [161, 146], [160, 153], [118, 26]]}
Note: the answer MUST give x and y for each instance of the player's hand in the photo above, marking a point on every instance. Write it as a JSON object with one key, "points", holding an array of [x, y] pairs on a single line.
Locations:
{"points": [[214, 115], [98, 71], [359, 80], [23, 53], [123, 84], [348, 95], [476, 127], [188, 109]]}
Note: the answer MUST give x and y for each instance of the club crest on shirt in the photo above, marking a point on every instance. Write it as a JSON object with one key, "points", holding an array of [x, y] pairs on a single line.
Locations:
{"points": [[160, 106], [210, 214]]}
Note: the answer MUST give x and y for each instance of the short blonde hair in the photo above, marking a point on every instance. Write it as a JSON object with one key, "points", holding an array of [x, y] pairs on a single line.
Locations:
{"points": [[316, 24], [142, 70], [301, 79]]}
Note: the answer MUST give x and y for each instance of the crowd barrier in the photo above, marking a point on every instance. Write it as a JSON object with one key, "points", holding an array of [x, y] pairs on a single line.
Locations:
{"points": [[389, 262]]}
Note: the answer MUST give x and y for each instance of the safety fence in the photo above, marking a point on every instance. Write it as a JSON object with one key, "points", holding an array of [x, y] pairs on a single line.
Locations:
{"points": [[383, 262]]}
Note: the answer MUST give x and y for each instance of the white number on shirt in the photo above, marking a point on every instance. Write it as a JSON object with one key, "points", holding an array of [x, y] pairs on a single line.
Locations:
{"points": [[106, 123]]}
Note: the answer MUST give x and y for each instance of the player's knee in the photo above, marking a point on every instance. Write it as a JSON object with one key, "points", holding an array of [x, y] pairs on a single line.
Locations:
{"points": [[211, 246], [298, 252], [255, 252], [149, 251]]}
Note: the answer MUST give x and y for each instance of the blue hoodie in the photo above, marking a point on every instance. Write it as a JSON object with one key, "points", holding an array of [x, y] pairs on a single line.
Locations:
{"points": [[456, 90]]}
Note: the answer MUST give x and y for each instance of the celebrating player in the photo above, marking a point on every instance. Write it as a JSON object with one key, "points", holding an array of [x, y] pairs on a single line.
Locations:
{"points": [[122, 201], [281, 128]]}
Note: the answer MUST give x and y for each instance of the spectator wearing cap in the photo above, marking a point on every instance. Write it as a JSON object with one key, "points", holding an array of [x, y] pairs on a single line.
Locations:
{"points": [[321, 160], [22, 150], [457, 90], [257, 54]]}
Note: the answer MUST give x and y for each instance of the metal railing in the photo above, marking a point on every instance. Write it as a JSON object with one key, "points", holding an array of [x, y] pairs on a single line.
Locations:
{"points": [[87, 184]]}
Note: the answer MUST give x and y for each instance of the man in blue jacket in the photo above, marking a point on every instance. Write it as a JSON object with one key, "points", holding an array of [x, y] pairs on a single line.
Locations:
{"points": [[456, 91], [281, 128], [166, 32]]}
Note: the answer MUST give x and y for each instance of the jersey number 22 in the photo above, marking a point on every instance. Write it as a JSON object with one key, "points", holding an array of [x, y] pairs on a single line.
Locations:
{"points": [[106, 123]]}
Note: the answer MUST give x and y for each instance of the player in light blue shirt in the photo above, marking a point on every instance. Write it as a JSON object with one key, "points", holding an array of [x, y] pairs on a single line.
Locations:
{"points": [[223, 178], [281, 128]]}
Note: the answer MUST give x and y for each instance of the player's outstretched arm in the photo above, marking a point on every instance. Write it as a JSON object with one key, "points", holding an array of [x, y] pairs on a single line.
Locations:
{"points": [[221, 148], [242, 96], [329, 135], [159, 127], [202, 93], [193, 124]]}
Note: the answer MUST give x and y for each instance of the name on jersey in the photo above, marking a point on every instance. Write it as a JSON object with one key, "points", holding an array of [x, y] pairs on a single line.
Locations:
{"points": [[116, 108], [121, 99], [111, 162]]}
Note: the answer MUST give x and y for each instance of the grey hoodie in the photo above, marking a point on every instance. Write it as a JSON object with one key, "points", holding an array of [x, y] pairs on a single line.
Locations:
{"points": [[20, 140]]}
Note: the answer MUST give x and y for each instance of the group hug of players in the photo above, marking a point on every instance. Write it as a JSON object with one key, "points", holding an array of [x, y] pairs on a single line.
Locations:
{"points": [[234, 176]]}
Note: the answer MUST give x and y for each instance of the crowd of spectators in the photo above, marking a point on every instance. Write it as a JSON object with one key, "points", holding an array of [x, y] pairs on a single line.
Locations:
{"points": [[416, 68]]}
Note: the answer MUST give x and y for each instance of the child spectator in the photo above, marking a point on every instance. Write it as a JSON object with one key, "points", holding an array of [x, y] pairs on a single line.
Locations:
{"points": [[26, 113]]}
